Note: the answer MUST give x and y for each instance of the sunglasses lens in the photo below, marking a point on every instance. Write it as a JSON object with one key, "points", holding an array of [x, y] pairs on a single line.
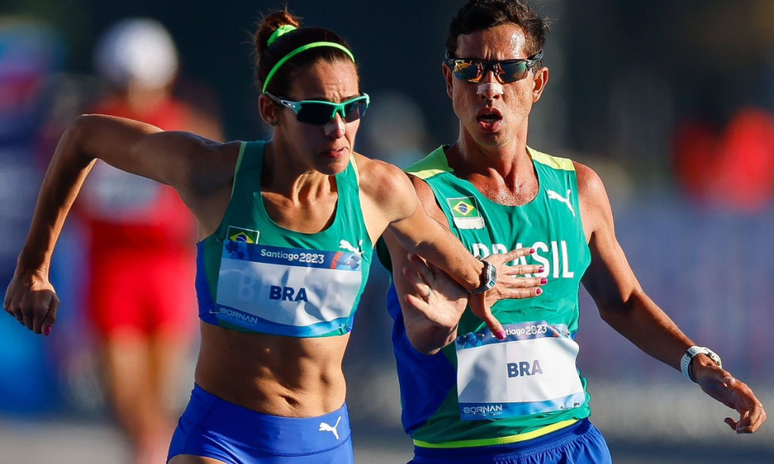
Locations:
{"points": [[468, 70], [355, 110], [321, 113], [315, 113], [513, 71], [505, 71]]}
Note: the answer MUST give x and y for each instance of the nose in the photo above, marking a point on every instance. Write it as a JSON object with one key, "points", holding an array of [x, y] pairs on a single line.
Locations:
{"points": [[489, 88], [490, 74], [335, 128]]}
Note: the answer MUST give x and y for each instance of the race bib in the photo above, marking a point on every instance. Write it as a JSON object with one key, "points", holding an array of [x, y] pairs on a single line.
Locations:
{"points": [[286, 291], [532, 371]]}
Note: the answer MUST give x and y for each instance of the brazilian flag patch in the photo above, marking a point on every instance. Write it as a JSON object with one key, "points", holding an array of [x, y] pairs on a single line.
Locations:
{"points": [[466, 213], [238, 234]]}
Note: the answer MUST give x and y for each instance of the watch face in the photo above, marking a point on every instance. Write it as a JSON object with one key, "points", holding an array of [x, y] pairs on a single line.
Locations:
{"points": [[491, 275], [488, 278], [713, 356], [703, 350]]}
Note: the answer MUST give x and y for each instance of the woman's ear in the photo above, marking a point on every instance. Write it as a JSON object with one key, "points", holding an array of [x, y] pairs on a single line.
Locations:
{"points": [[268, 110]]}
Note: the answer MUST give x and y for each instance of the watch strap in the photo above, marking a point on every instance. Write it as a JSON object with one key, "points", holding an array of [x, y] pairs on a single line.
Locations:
{"points": [[690, 353]]}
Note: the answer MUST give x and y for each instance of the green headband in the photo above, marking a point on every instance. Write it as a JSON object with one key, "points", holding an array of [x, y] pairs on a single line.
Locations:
{"points": [[300, 49], [282, 30]]}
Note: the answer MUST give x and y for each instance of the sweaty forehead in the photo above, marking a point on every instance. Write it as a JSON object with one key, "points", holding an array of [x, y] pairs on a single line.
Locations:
{"points": [[503, 42], [331, 81]]}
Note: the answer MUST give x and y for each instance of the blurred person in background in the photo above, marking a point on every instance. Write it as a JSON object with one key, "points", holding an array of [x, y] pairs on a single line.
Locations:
{"points": [[286, 228], [140, 295], [467, 396], [731, 167]]}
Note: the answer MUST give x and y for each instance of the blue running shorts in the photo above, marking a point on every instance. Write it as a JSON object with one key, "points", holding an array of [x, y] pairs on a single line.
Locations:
{"points": [[580, 443], [214, 428]]}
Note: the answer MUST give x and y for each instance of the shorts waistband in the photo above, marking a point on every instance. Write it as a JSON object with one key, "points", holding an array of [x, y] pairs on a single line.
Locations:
{"points": [[499, 440], [283, 435], [556, 437]]}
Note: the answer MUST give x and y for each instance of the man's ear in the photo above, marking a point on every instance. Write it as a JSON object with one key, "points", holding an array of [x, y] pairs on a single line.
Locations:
{"points": [[540, 81], [448, 75]]}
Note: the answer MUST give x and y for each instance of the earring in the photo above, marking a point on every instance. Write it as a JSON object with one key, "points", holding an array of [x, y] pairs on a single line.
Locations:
{"points": [[273, 123]]}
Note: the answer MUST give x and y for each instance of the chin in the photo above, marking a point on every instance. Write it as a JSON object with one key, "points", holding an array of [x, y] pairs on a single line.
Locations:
{"points": [[333, 168], [490, 139]]}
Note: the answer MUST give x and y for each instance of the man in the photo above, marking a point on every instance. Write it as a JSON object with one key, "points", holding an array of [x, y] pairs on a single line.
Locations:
{"points": [[467, 396]]}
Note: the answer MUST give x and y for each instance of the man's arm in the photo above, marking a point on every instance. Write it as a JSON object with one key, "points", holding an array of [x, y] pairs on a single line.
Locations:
{"points": [[623, 304]]}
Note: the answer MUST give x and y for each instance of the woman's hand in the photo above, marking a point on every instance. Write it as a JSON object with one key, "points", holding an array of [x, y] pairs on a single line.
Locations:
{"points": [[32, 300], [442, 300], [509, 285]]}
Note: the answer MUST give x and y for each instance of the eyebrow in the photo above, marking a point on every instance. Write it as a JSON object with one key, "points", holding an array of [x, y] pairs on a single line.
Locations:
{"points": [[326, 100], [490, 61]]}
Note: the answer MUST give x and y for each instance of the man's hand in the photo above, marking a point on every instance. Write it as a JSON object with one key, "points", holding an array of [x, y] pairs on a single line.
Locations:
{"points": [[735, 394]]}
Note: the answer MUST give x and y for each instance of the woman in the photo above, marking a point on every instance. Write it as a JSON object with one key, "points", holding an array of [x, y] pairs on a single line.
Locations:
{"points": [[286, 229]]}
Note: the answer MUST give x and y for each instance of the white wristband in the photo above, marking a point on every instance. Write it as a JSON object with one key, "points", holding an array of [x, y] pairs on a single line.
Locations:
{"points": [[685, 361]]}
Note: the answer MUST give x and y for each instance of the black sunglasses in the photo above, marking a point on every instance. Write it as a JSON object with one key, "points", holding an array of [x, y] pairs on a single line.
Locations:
{"points": [[506, 71], [320, 112]]}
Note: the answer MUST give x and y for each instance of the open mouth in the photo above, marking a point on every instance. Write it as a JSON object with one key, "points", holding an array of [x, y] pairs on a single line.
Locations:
{"points": [[335, 152], [489, 119]]}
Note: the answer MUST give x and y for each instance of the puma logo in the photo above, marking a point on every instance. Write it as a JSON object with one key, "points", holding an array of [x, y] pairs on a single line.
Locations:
{"points": [[555, 196], [354, 260], [348, 246], [324, 427]]}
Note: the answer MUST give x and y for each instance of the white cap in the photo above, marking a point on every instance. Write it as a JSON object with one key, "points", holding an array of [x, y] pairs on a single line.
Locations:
{"points": [[138, 51]]}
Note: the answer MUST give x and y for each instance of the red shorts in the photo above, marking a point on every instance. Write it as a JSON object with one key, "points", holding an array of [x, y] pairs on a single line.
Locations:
{"points": [[150, 293]]}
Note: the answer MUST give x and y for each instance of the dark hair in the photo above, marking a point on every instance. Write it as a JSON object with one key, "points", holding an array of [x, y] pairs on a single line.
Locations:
{"points": [[269, 55], [478, 15]]}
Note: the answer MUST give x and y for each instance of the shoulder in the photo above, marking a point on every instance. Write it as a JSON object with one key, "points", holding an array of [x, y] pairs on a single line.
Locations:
{"points": [[431, 165], [554, 162], [590, 185], [386, 188], [395, 190], [595, 206], [378, 178]]}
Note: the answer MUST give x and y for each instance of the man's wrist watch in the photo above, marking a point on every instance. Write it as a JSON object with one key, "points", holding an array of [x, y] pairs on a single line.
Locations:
{"points": [[687, 359], [488, 278]]}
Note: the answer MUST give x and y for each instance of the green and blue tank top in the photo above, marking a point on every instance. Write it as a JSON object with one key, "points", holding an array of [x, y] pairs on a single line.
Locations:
{"points": [[255, 276], [481, 391]]}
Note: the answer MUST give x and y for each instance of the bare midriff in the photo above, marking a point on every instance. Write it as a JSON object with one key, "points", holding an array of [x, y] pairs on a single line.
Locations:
{"points": [[271, 374]]}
